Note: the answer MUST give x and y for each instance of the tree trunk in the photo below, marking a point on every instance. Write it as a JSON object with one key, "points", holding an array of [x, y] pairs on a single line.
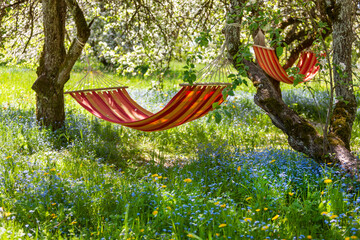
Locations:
{"points": [[302, 135], [55, 63], [49, 94], [345, 107]]}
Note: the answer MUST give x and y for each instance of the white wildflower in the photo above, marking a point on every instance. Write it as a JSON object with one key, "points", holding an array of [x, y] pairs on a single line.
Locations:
{"points": [[342, 66]]}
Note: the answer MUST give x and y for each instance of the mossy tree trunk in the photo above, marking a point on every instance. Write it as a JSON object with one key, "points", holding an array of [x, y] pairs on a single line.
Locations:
{"points": [[302, 135], [56, 62]]}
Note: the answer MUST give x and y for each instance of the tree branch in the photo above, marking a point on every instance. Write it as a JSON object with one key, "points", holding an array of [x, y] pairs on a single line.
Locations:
{"points": [[83, 34], [294, 54], [11, 5], [289, 21]]}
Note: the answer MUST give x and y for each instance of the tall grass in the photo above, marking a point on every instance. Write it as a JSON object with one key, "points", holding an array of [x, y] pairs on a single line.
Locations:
{"points": [[202, 180]]}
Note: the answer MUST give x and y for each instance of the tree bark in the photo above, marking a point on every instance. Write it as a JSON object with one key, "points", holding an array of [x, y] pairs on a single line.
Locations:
{"points": [[49, 94], [55, 63], [346, 106], [302, 135]]}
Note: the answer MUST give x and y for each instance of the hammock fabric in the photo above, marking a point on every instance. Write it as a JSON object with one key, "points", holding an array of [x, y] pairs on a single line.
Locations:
{"points": [[269, 62], [116, 105]]}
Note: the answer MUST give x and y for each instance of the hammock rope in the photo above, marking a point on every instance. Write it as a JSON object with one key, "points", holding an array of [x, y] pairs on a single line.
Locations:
{"points": [[269, 62], [193, 101]]}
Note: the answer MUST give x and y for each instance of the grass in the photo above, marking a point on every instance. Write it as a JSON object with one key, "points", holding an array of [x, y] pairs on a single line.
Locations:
{"points": [[233, 180]]}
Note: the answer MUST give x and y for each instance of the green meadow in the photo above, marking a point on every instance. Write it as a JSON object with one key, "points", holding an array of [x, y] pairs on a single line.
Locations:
{"points": [[237, 179]]}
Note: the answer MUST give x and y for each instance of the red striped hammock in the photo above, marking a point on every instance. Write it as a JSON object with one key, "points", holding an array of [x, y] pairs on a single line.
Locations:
{"points": [[269, 62], [116, 105]]}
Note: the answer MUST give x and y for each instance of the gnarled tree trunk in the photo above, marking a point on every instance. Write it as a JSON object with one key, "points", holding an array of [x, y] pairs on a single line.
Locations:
{"points": [[55, 62]]}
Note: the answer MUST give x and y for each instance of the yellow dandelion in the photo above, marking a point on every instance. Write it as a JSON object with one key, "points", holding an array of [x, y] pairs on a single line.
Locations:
{"points": [[188, 180], [52, 170], [163, 186], [8, 157], [164, 177], [217, 203], [247, 219], [53, 204], [275, 217], [154, 175], [248, 198], [238, 168], [168, 208], [322, 192], [46, 173], [323, 213], [353, 237], [142, 230], [264, 227], [159, 177], [222, 225], [309, 237], [329, 163], [7, 214], [327, 181], [272, 161], [155, 213], [73, 222], [265, 208], [257, 210], [190, 235], [223, 205], [347, 238], [291, 193], [217, 234], [333, 216]]}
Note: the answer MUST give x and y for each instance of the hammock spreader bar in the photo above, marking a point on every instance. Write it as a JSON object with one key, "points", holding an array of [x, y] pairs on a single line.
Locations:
{"points": [[269, 62], [116, 105]]}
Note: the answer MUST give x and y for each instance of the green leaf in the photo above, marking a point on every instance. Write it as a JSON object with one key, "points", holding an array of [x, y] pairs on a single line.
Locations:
{"points": [[231, 93], [297, 81], [217, 117], [192, 78], [279, 51], [215, 105], [253, 26], [227, 113]]}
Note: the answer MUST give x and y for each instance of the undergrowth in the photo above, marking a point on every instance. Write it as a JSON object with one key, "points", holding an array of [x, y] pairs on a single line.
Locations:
{"points": [[233, 180]]}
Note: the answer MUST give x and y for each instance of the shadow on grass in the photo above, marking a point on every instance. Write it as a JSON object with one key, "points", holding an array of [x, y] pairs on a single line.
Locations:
{"points": [[82, 137]]}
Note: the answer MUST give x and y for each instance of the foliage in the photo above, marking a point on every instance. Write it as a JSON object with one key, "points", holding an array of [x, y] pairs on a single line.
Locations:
{"points": [[133, 37]]}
